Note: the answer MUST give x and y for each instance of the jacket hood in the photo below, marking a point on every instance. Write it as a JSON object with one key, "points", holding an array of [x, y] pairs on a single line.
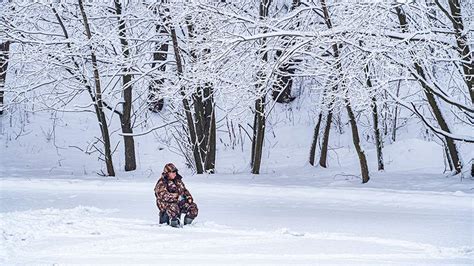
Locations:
{"points": [[165, 176]]}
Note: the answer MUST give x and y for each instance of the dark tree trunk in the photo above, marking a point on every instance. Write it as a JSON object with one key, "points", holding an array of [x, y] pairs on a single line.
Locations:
{"points": [[312, 152], [259, 118], [364, 169], [98, 98], [378, 139], [375, 118], [324, 147], [4, 55], [125, 118], [210, 126], [453, 151], [155, 101], [472, 169], [395, 117], [129, 143], [258, 134]]}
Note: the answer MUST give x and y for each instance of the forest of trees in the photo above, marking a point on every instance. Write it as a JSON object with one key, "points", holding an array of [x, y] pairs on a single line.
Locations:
{"points": [[205, 65]]}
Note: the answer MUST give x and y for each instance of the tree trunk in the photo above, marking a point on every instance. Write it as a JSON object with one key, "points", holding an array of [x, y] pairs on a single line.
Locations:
{"points": [[375, 118], [125, 118], [472, 169], [4, 55], [210, 161], [395, 117], [364, 169], [259, 118], [98, 98], [453, 151], [210, 126], [378, 139], [155, 101], [324, 147], [258, 134], [312, 152]]}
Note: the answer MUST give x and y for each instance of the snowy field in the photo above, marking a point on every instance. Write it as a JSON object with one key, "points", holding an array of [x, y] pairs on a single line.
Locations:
{"points": [[243, 220], [56, 209]]}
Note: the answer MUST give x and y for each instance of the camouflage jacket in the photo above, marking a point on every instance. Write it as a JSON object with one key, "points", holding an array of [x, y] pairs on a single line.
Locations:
{"points": [[168, 191]]}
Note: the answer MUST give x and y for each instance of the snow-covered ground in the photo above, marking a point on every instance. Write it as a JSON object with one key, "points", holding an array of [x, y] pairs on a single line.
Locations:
{"points": [[54, 208], [243, 220]]}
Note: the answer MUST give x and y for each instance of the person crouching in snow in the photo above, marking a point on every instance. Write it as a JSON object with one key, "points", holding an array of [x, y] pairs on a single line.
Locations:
{"points": [[172, 198]]}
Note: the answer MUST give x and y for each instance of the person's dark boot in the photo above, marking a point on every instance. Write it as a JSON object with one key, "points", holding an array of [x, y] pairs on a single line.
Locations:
{"points": [[175, 222], [164, 218], [187, 220]]}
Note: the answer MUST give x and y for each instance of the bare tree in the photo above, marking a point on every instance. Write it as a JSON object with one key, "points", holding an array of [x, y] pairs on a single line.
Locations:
{"points": [[156, 101], [98, 103], [421, 77], [259, 118], [455, 16], [125, 115], [4, 54], [187, 107], [375, 118], [338, 66], [204, 111]]}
